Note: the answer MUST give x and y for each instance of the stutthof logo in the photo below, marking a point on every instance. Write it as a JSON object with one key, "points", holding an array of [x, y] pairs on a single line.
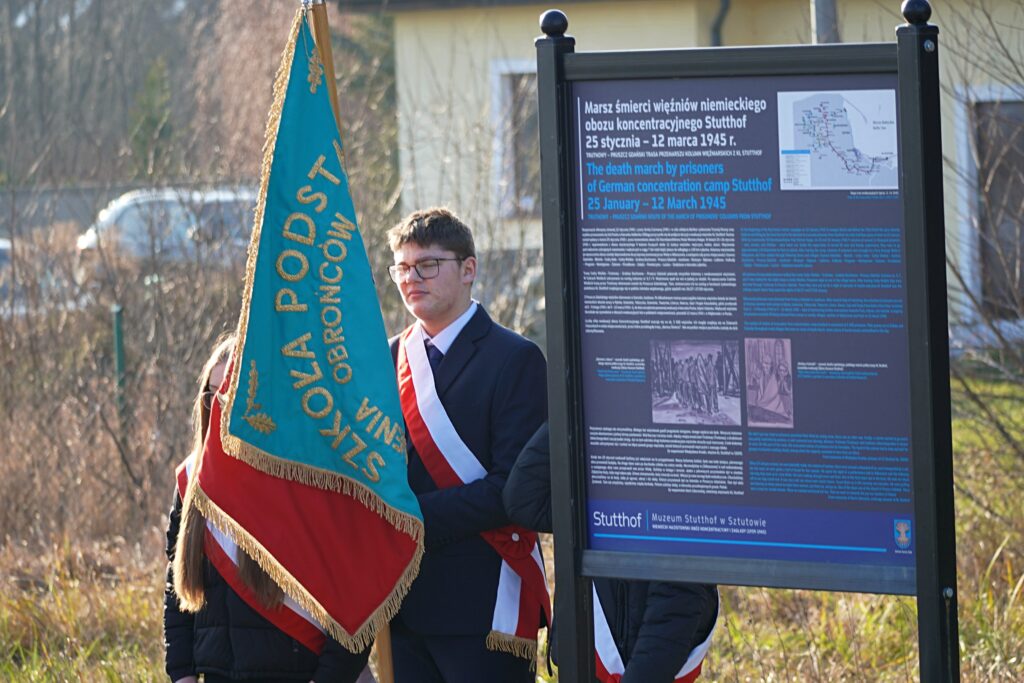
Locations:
{"points": [[901, 531]]}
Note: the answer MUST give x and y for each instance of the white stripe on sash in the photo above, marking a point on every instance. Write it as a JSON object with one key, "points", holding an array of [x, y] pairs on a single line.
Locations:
{"points": [[462, 461], [604, 644], [608, 652], [506, 609], [699, 652], [458, 455]]}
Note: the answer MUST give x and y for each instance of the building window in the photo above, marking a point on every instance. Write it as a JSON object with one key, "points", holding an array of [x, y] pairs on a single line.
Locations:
{"points": [[999, 147], [517, 143]]}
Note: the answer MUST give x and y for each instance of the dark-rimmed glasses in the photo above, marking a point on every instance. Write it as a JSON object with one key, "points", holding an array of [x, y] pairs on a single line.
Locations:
{"points": [[427, 269]]}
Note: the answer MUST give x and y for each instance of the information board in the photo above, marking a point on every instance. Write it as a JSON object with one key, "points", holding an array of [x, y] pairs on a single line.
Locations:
{"points": [[742, 305], [745, 284]]}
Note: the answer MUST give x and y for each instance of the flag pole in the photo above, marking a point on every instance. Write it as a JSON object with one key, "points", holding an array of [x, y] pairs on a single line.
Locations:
{"points": [[322, 36]]}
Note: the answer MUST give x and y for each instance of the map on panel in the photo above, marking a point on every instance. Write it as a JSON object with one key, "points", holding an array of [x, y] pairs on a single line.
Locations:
{"points": [[844, 140]]}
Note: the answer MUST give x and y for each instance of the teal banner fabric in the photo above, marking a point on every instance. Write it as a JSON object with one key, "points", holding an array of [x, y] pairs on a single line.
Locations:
{"points": [[313, 396]]}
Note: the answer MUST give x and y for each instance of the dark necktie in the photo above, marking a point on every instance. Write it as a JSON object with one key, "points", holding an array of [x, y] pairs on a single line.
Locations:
{"points": [[434, 355]]}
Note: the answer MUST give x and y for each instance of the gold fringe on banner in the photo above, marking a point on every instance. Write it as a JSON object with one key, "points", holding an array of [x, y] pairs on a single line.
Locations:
{"points": [[278, 467], [269, 144], [328, 481], [253, 455], [355, 642]]}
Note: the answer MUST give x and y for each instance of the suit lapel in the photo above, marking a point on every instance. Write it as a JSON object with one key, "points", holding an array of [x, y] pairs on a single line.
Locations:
{"points": [[462, 349]]}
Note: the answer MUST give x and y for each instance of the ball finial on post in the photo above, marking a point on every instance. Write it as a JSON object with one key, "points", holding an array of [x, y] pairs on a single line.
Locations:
{"points": [[554, 23], [916, 12]]}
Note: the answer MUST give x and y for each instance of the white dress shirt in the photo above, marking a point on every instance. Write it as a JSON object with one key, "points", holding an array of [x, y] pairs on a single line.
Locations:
{"points": [[444, 339]]}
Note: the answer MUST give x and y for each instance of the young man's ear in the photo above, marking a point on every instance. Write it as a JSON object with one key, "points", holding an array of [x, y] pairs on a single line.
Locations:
{"points": [[469, 270]]}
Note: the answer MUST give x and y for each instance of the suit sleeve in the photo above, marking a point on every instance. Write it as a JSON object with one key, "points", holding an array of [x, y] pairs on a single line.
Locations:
{"points": [[677, 618], [527, 494], [518, 407], [178, 625]]}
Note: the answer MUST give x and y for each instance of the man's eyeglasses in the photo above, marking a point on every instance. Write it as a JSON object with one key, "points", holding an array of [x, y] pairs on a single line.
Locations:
{"points": [[427, 269]]}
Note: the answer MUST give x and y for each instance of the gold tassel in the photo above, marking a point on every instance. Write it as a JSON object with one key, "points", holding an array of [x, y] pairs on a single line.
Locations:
{"points": [[513, 645], [355, 642]]}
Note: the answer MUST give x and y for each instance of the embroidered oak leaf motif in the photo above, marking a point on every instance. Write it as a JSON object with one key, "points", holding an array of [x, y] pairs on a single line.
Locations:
{"points": [[259, 421], [316, 72]]}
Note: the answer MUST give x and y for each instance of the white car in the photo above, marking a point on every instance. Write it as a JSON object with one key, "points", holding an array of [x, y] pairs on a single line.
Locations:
{"points": [[151, 228]]}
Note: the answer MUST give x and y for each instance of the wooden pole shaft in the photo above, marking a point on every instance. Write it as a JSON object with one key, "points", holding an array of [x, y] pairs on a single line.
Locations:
{"points": [[322, 36]]}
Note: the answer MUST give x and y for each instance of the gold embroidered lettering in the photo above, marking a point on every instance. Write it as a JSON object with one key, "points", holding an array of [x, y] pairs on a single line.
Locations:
{"points": [[329, 294], [365, 410], [376, 418], [293, 306], [336, 431], [341, 227], [337, 272], [334, 335], [304, 379], [339, 253], [354, 451], [342, 373], [336, 354], [335, 314], [370, 471], [306, 239], [318, 168], [388, 429], [307, 196], [297, 348], [303, 265], [328, 402]]}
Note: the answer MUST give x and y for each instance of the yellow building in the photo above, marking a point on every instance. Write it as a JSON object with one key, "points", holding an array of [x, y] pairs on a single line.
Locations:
{"points": [[467, 108]]}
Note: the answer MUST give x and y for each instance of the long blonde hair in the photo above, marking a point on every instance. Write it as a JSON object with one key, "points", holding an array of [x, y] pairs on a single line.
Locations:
{"points": [[188, 551]]}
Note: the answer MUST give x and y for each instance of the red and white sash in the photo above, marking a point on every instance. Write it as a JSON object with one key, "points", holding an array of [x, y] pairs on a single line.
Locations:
{"points": [[522, 588], [610, 668], [223, 555]]}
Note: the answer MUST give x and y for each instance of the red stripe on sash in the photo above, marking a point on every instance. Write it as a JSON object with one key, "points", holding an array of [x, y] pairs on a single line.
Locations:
{"points": [[437, 467], [514, 544]]}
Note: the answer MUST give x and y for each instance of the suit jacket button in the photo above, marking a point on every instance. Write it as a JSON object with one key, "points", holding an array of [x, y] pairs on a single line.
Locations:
{"points": [[515, 536]]}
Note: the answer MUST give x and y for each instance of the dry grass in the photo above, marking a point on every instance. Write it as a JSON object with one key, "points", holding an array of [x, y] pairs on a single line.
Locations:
{"points": [[786, 635], [72, 611]]}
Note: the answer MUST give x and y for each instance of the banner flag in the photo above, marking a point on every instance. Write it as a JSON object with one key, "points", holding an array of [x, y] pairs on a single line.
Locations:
{"points": [[308, 474]]}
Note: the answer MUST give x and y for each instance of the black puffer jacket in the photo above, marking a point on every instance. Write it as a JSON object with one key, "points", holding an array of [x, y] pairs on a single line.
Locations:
{"points": [[655, 624], [229, 641]]}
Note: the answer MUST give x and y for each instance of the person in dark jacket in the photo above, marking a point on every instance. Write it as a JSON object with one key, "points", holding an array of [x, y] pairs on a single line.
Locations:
{"points": [[209, 628], [656, 625], [486, 393]]}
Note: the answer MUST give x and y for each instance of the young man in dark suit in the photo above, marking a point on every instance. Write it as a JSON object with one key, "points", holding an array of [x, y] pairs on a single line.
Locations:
{"points": [[472, 392]]}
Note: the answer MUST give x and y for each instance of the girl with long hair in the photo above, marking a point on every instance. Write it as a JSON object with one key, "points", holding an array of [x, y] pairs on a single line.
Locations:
{"points": [[209, 627]]}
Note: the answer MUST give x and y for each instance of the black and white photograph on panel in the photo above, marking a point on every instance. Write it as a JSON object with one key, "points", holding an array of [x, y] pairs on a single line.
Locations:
{"points": [[769, 364], [695, 381]]}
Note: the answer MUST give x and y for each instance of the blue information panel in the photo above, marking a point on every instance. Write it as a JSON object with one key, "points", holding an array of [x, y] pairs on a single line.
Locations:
{"points": [[742, 303]]}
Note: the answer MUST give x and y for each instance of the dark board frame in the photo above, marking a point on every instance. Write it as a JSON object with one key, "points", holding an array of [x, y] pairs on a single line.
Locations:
{"points": [[914, 59]]}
